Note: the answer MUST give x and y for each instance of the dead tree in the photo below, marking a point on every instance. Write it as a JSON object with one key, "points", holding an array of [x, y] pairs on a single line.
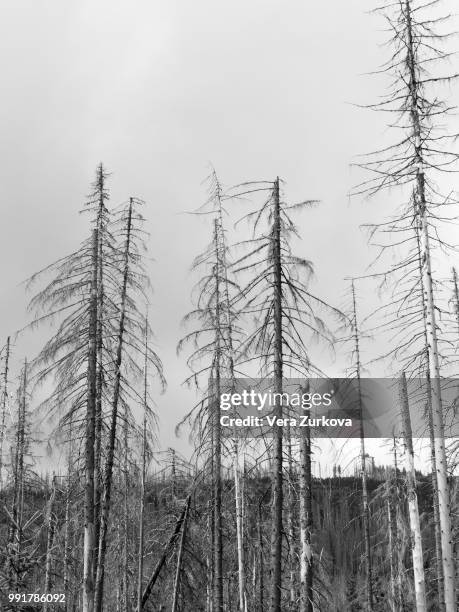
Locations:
{"points": [[456, 297], [67, 518], [50, 520], [72, 356], [392, 543], [239, 499], [16, 563], [169, 546], [276, 292], [178, 570], [4, 402], [97, 205], [419, 158], [213, 357], [306, 556], [132, 277], [89, 532], [363, 466], [415, 525], [143, 470]]}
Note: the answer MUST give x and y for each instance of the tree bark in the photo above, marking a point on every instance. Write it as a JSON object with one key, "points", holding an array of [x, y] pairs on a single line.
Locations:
{"points": [[431, 325], [436, 514], [4, 403], [392, 540], [306, 558], [166, 551], [66, 576], [143, 474], [277, 476], [436, 517], [261, 567], [179, 561], [456, 296], [363, 469], [15, 530], [239, 532], [125, 515], [49, 543], [215, 407], [99, 344], [88, 547], [210, 552], [113, 425], [290, 524], [415, 524]]}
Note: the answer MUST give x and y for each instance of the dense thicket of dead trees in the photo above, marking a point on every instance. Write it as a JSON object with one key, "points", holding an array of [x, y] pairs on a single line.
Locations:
{"points": [[245, 523]]}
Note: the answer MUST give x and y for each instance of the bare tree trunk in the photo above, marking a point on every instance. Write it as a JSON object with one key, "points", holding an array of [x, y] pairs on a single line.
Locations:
{"points": [[399, 554], [67, 521], [141, 518], [166, 551], [210, 552], [438, 426], [15, 530], [290, 523], [50, 520], [392, 539], [306, 559], [415, 524], [456, 296], [119, 581], [239, 531], [179, 562], [261, 567], [113, 425], [365, 505], [4, 404], [254, 574], [125, 516], [215, 404], [143, 473], [173, 474], [218, 543], [366, 527], [431, 326], [436, 515], [100, 366], [98, 428], [88, 553], [277, 476]]}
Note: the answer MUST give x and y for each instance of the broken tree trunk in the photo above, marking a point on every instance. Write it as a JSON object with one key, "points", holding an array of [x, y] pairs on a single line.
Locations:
{"points": [[179, 561], [167, 549]]}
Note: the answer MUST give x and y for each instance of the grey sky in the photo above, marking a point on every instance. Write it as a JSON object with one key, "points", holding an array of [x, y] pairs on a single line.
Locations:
{"points": [[157, 90]]}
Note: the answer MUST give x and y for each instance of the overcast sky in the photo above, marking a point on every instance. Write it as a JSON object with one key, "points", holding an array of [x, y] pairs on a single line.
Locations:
{"points": [[157, 90]]}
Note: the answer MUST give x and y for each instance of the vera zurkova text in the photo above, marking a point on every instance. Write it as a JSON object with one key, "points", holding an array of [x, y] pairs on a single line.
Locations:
{"points": [[268, 401]]}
